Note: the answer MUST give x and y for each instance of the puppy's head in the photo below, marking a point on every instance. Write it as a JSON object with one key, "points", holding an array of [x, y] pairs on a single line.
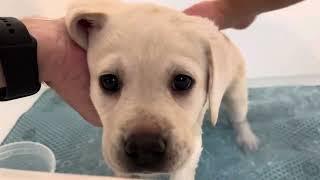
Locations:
{"points": [[152, 70]]}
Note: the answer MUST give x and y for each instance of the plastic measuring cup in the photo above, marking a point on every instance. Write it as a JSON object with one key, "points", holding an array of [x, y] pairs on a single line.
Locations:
{"points": [[27, 156]]}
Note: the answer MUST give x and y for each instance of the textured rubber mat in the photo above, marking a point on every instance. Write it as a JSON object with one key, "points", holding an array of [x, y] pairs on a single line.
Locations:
{"points": [[286, 119]]}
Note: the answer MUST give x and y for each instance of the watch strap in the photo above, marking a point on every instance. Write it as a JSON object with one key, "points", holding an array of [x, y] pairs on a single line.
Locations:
{"points": [[18, 57]]}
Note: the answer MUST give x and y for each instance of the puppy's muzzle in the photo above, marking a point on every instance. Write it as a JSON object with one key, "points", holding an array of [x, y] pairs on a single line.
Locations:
{"points": [[146, 146], [145, 150]]}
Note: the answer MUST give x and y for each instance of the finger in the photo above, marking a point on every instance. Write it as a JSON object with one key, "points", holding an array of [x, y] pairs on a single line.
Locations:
{"points": [[213, 10], [204, 9], [244, 22]]}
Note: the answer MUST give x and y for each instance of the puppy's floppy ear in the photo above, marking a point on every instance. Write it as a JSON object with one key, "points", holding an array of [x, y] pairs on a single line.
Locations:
{"points": [[220, 70], [86, 16], [219, 52]]}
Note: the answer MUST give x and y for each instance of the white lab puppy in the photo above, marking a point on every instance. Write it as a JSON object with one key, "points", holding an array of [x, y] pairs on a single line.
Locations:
{"points": [[154, 72]]}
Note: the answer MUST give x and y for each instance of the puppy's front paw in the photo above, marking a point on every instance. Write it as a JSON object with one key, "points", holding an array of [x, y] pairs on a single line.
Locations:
{"points": [[248, 141], [183, 174]]}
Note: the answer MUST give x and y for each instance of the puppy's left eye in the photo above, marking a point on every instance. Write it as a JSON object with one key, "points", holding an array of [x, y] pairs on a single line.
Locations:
{"points": [[182, 82]]}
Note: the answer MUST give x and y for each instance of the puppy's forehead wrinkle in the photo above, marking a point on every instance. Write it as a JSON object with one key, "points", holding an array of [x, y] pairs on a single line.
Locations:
{"points": [[108, 63], [146, 35], [145, 46]]}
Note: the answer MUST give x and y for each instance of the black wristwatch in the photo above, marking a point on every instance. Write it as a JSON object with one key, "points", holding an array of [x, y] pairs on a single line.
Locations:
{"points": [[18, 57]]}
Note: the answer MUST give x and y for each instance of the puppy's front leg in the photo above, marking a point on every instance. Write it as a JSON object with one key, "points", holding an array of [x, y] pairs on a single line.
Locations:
{"points": [[188, 171], [236, 101]]}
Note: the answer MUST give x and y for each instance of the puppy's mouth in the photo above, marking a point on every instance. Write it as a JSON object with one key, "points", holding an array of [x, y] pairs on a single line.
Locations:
{"points": [[149, 146]]}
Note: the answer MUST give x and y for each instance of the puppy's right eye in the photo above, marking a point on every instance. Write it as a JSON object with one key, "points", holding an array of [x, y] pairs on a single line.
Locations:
{"points": [[110, 83]]}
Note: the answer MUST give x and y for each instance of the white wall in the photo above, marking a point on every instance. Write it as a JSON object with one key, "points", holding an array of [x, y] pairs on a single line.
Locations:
{"points": [[283, 43], [279, 44]]}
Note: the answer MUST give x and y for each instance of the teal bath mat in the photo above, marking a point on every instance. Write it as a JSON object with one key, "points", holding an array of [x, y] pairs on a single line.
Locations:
{"points": [[286, 119]]}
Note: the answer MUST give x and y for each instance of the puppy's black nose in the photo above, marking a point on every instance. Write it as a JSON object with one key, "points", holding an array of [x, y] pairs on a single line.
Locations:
{"points": [[145, 150]]}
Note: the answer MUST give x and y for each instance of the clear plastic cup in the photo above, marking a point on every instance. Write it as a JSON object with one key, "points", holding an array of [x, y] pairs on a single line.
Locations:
{"points": [[28, 156]]}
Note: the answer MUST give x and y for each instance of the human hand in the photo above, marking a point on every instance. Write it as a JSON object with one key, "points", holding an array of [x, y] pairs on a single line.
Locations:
{"points": [[63, 65], [237, 14], [220, 12]]}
